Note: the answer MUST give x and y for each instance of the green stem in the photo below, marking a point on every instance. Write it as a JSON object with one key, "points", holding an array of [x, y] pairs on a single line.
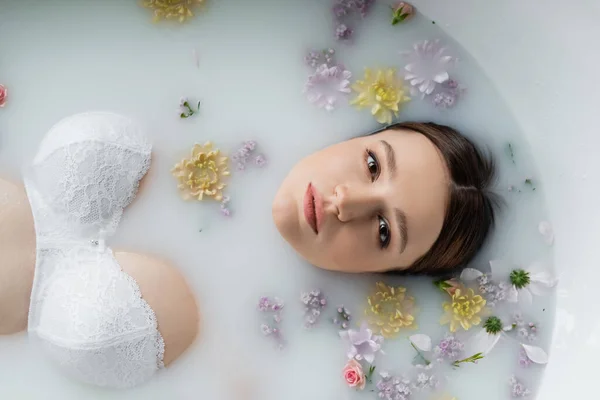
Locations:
{"points": [[427, 362], [473, 359]]}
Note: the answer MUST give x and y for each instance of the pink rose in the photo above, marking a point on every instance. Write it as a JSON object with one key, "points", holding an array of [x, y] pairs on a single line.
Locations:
{"points": [[354, 375], [3, 94]]}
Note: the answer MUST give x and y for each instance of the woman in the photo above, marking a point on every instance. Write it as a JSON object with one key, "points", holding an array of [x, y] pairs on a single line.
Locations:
{"points": [[412, 197]]}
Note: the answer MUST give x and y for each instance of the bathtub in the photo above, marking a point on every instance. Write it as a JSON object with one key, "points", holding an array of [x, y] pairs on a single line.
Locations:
{"points": [[543, 58]]}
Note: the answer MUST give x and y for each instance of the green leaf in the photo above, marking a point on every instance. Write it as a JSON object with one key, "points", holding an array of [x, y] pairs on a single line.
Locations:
{"points": [[183, 115]]}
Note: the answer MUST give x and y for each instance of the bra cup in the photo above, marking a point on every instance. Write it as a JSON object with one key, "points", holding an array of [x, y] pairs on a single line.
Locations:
{"points": [[85, 311]]}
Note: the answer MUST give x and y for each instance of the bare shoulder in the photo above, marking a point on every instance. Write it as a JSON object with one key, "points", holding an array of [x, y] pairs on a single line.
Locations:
{"points": [[17, 247], [169, 295]]}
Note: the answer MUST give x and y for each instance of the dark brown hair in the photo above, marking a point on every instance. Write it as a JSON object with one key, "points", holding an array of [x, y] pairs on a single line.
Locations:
{"points": [[470, 211]]}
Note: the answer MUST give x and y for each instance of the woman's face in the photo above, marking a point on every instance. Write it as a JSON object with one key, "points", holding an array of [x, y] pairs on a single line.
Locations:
{"points": [[369, 204]]}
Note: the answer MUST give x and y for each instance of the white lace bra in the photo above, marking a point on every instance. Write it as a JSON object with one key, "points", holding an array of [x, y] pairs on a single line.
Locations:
{"points": [[85, 311]]}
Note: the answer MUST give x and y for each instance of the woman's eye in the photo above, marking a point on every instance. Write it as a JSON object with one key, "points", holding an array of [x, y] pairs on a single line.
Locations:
{"points": [[373, 165], [384, 232]]}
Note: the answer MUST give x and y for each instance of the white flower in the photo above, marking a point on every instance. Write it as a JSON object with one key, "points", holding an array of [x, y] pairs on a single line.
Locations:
{"points": [[428, 65], [534, 280], [326, 85], [421, 341], [486, 339], [363, 344]]}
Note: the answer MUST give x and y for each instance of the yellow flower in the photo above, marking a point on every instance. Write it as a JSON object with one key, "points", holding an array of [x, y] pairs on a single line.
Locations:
{"points": [[201, 174], [465, 310], [180, 10], [389, 310], [382, 91], [446, 397]]}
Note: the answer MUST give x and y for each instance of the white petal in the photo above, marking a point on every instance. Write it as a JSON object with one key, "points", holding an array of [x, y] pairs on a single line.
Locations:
{"points": [[408, 77], [525, 296], [421, 341], [512, 296], [470, 274], [536, 354], [482, 342], [546, 231], [369, 358], [441, 77]]}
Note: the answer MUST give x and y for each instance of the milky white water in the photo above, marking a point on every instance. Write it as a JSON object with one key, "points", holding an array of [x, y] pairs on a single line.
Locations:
{"points": [[62, 57]]}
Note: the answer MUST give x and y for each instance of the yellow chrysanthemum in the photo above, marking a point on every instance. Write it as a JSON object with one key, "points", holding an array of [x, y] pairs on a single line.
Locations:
{"points": [[201, 174], [465, 310], [390, 310], [180, 10], [382, 91], [446, 397]]}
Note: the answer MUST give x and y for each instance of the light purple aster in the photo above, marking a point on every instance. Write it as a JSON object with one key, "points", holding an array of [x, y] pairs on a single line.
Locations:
{"points": [[326, 85], [363, 344], [517, 388], [427, 66]]}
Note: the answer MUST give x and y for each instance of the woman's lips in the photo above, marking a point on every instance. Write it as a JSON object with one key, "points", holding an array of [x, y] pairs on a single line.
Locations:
{"points": [[313, 208]]}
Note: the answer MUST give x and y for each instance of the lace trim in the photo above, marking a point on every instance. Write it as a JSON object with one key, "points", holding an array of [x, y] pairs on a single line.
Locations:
{"points": [[159, 341]]}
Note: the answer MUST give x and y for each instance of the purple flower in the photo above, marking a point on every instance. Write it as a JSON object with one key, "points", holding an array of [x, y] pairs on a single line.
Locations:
{"points": [[260, 161], [342, 32], [315, 58], [449, 348], [363, 344], [272, 306], [425, 378], [447, 94], [428, 65], [314, 302], [393, 388], [517, 388], [327, 85], [524, 360]]}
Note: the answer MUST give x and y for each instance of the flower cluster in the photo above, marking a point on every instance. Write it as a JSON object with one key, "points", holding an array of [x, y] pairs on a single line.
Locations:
{"points": [[326, 85], [449, 348], [393, 388], [382, 92], [493, 292], [524, 361], [3, 95], [178, 10], [345, 11], [224, 206], [272, 308], [202, 174], [425, 378], [447, 94], [314, 302], [316, 58], [526, 331], [343, 318], [185, 109], [390, 309], [518, 389], [245, 154]]}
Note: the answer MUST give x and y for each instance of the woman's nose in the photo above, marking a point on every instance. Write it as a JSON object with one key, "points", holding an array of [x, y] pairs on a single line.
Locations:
{"points": [[354, 202]]}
